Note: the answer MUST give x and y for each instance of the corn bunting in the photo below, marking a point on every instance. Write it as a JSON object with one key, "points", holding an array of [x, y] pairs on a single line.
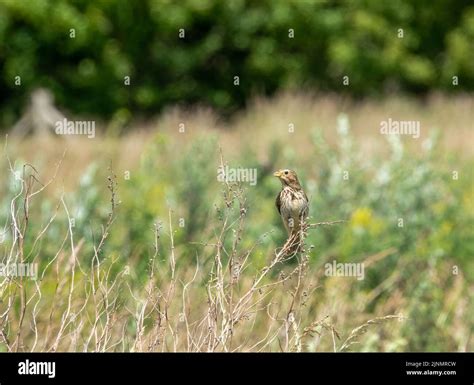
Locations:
{"points": [[292, 204]]}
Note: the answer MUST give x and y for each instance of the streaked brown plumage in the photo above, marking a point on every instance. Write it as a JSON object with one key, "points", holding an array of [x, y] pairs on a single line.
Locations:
{"points": [[291, 202]]}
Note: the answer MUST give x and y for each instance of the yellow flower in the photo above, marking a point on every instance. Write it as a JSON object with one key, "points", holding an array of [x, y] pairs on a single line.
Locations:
{"points": [[446, 228], [362, 217]]}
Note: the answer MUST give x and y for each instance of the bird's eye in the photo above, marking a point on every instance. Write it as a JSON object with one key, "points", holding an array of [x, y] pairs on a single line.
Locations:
{"points": [[286, 172]]}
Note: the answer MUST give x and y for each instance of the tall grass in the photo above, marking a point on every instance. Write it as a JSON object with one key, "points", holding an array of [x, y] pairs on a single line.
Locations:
{"points": [[166, 258]]}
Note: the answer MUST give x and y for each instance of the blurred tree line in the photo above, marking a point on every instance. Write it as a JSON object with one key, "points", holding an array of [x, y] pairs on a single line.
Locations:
{"points": [[191, 51]]}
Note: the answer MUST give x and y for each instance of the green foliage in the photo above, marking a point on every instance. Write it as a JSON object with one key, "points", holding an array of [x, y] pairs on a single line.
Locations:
{"points": [[429, 266], [115, 39]]}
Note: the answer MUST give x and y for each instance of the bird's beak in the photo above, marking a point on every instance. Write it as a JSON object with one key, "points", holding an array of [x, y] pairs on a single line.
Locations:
{"points": [[277, 174]]}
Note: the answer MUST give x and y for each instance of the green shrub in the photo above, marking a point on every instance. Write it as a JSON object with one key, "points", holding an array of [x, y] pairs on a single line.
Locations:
{"points": [[115, 39]]}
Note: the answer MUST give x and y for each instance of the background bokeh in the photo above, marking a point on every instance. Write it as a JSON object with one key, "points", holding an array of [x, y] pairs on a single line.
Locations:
{"points": [[250, 39], [108, 283]]}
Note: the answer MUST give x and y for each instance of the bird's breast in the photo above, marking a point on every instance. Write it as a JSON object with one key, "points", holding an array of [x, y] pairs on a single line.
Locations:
{"points": [[293, 202]]}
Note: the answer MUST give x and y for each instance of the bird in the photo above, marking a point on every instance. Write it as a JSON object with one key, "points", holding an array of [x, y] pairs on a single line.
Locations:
{"points": [[292, 204]]}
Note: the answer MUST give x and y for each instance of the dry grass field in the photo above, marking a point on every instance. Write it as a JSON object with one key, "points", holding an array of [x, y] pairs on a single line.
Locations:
{"points": [[140, 248]]}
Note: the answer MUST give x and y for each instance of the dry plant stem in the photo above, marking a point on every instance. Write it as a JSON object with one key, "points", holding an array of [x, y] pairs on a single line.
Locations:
{"points": [[223, 304], [330, 223], [189, 338], [97, 316], [362, 329], [72, 263], [156, 334], [103, 306], [171, 287], [172, 256], [27, 186], [112, 186], [20, 221], [16, 252], [221, 293]]}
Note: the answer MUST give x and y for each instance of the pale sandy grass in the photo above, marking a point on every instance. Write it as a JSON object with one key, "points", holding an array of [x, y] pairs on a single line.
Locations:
{"points": [[257, 127]]}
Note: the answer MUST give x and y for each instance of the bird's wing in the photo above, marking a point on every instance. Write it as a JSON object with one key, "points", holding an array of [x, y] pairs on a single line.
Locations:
{"points": [[305, 197], [278, 202], [305, 210]]}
